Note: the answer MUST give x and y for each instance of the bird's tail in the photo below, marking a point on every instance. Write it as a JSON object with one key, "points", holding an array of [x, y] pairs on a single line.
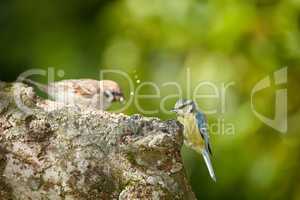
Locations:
{"points": [[40, 86], [206, 158]]}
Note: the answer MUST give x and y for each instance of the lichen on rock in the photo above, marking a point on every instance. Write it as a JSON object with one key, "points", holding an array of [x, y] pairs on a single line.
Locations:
{"points": [[68, 153]]}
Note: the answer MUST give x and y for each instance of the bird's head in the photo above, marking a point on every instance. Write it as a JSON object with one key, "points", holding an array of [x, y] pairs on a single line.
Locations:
{"points": [[112, 91], [184, 106]]}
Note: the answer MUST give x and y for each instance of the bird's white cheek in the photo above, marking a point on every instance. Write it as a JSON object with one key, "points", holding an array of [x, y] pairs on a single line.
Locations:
{"points": [[101, 102], [106, 103], [180, 113]]}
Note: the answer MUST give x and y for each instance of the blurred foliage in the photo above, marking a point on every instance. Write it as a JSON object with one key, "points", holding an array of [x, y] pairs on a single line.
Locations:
{"points": [[166, 40]]}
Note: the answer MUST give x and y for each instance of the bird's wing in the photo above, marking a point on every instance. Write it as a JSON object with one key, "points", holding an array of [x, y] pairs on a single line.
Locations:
{"points": [[202, 126], [87, 87], [83, 91], [80, 87]]}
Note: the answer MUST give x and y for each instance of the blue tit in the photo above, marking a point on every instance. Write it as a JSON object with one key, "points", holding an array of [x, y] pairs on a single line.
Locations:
{"points": [[195, 130]]}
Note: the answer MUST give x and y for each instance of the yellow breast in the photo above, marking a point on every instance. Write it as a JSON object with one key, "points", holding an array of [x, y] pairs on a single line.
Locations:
{"points": [[191, 131]]}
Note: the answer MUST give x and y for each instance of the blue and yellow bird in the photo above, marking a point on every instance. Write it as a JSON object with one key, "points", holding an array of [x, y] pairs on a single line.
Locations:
{"points": [[195, 130]]}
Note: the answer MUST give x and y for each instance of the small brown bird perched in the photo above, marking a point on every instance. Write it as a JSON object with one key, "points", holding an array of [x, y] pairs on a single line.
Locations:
{"points": [[83, 92]]}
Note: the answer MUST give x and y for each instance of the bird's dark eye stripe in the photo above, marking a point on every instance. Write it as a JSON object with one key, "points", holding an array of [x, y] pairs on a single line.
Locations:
{"points": [[182, 106]]}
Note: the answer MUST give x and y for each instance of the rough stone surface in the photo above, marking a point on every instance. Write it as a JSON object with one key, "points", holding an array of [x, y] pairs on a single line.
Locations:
{"points": [[69, 153]]}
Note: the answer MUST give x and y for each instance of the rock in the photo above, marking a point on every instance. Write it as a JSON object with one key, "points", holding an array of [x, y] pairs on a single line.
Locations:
{"points": [[65, 153]]}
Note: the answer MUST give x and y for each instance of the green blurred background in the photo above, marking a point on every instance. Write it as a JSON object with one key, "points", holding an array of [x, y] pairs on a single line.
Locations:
{"points": [[220, 41]]}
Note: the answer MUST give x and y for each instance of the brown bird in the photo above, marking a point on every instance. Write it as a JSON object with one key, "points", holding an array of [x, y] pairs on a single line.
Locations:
{"points": [[83, 92]]}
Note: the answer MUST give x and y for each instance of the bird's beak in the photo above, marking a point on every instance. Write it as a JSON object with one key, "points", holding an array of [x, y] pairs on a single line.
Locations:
{"points": [[122, 100], [119, 98]]}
